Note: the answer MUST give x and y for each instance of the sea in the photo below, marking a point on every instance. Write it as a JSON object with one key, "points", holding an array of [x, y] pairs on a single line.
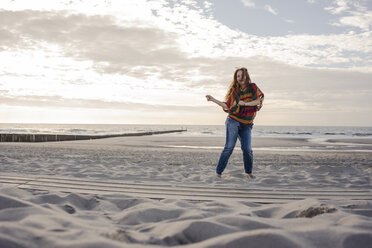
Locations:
{"points": [[192, 130]]}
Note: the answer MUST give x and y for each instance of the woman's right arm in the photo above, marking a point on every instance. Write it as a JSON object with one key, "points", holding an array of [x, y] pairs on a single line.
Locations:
{"points": [[212, 99]]}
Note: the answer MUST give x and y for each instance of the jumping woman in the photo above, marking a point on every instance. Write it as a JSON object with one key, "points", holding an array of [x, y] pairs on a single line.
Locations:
{"points": [[242, 101]]}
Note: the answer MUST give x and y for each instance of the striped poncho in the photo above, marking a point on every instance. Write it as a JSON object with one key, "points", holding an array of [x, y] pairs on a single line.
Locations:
{"points": [[244, 114]]}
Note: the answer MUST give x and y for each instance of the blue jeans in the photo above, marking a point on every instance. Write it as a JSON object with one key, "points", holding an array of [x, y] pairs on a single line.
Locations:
{"points": [[235, 130]]}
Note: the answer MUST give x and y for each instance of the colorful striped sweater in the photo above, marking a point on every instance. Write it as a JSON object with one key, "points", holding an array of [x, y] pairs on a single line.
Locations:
{"points": [[244, 114]]}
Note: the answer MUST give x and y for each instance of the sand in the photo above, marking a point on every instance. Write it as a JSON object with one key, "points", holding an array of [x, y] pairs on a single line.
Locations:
{"points": [[330, 203]]}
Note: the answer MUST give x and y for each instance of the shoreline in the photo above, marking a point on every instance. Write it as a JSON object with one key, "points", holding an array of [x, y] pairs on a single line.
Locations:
{"points": [[205, 143], [258, 143]]}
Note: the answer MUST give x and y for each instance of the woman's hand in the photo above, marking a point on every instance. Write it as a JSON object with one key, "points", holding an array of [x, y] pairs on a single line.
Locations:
{"points": [[212, 99], [209, 98], [251, 103], [259, 106]]}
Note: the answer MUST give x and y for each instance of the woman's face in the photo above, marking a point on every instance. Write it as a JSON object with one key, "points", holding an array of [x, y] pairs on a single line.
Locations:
{"points": [[241, 77]]}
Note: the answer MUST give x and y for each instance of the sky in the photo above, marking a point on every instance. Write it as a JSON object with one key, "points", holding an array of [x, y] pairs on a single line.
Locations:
{"points": [[153, 61]]}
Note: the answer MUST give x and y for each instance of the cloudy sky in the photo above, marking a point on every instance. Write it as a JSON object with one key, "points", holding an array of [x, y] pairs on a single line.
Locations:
{"points": [[152, 62]]}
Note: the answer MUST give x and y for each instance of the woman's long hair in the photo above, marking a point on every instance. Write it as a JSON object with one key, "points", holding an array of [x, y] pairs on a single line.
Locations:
{"points": [[234, 86]]}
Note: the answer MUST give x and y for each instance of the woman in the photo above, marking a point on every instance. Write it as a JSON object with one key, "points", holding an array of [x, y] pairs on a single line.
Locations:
{"points": [[243, 100]]}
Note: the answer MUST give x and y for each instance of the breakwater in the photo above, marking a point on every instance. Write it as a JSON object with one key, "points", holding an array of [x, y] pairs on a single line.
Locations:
{"points": [[4, 137]]}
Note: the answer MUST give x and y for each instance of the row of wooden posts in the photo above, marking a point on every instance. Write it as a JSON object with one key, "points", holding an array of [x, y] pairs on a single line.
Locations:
{"points": [[65, 137]]}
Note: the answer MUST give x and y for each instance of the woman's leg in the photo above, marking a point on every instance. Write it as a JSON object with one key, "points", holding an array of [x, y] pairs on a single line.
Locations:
{"points": [[246, 145], [232, 132]]}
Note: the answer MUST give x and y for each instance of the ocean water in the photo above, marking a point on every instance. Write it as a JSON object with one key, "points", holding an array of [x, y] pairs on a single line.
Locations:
{"points": [[192, 130]]}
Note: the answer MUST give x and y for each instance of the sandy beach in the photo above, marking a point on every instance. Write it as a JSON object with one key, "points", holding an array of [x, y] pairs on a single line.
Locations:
{"points": [[47, 216]]}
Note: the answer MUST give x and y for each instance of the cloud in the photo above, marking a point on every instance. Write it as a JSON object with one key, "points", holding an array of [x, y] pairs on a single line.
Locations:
{"points": [[354, 14], [248, 3], [270, 9], [291, 91], [56, 109], [288, 20], [207, 6], [361, 20], [115, 46], [95, 38], [339, 6], [152, 53], [286, 87], [60, 102], [302, 95], [251, 4], [167, 60]]}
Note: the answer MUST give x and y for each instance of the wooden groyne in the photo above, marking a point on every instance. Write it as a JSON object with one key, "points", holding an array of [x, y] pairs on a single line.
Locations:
{"points": [[12, 137]]}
